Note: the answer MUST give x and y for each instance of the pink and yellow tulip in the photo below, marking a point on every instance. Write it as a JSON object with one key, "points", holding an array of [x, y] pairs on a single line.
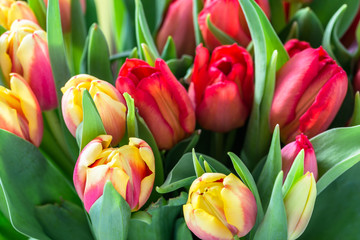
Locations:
{"points": [[299, 204], [162, 101], [11, 10], [24, 50], [20, 111], [219, 207], [130, 168], [108, 101]]}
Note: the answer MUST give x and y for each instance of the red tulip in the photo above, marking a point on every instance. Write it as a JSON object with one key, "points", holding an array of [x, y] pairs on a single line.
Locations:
{"points": [[222, 87], [311, 87], [295, 46], [178, 23], [228, 16], [291, 150], [162, 101]]}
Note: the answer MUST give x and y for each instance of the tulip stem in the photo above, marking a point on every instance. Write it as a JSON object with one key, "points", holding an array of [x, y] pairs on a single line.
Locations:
{"points": [[52, 119], [218, 145]]}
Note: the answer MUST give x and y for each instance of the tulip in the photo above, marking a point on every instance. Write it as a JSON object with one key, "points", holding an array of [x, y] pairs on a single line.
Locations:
{"points": [[109, 103], [24, 50], [291, 150], [178, 23], [311, 87], [11, 10], [130, 168], [65, 13], [219, 207], [162, 101], [20, 111], [222, 87], [228, 16], [299, 204], [295, 46]]}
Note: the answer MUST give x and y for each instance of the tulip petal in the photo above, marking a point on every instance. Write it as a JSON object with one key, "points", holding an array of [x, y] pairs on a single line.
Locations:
{"points": [[5, 60], [71, 103], [20, 10], [33, 55]]}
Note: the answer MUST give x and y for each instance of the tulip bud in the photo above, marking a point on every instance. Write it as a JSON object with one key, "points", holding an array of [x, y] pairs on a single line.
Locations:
{"points": [[311, 87], [232, 23], [20, 111], [222, 87], [178, 23], [130, 168], [219, 207], [299, 204], [65, 13], [11, 10], [24, 50], [109, 103], [291, 150], [295, 46], [162, 101]]}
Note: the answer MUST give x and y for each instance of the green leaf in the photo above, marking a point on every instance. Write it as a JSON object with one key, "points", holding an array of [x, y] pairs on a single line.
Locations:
{"points": [[271, 168], [57, 53], [249, 181], [221, 36], [274, 224], [197, 167], [180, 67], [336, 151], [69, 219], [182, 232], [296, 172], [265, 42], [98, 55], [92, 124], [31, 182], [110, 215], [39, 9], [277, 14], [355, 120], [148, 55], [169, 51], [143, 34], [163, 218], [337, 210], [131, 123], [331, 42], [183, 174], [175, 153], [308, 26], [197, 7], [78, 34], [90, 13], [84, 57], [326, 13], [6, 229]]}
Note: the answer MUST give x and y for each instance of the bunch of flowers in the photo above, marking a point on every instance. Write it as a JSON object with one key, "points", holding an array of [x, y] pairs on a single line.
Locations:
{"points": [[179, 119]]}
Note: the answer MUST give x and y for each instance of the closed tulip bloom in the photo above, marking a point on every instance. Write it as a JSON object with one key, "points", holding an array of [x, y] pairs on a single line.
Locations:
{"points": [[178, 23], [311, 87], [20, 111], [228, 16], [295, 46], [65, 13], [11, 10], [162, 101], [299, 204], [109, 103], [130, 168], [219, 207], [291, 150], [24, 50], [222, 87]]}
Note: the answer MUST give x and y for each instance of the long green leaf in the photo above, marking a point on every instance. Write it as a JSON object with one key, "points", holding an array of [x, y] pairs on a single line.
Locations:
{"points": [[39, 9], [271, 169], [355, 120], [296, 172], [221, 36], [197, 6], [274, 224], [98, 56], [28, 183], [110, 215]]}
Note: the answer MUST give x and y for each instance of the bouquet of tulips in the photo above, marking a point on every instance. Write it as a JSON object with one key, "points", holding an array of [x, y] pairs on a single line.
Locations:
{"points": [[179, 119]]}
